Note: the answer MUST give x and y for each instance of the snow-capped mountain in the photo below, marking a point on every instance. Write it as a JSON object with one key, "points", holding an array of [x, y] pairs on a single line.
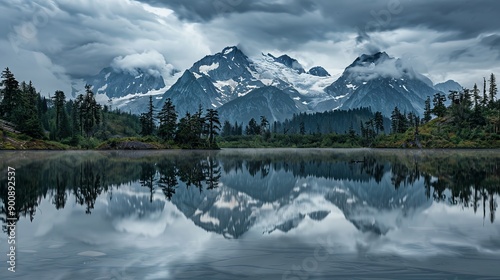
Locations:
{"points": [[115, 83], [127, 90], [289, 62], [382, 83], [223, 79]]}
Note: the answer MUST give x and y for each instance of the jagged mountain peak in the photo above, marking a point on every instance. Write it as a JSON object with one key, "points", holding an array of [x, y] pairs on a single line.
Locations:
{"points": [[289, 62], [381, 82], [229, 64], [116, 83], [318, 71], [371, 58], [230, 49]]}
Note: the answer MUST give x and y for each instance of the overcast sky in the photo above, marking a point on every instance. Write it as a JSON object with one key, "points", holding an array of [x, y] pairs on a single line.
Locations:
{"points": [[54, 41]]}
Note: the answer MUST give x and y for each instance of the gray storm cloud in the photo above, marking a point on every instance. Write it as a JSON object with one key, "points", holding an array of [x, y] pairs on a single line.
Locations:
{"points": [[454, 39]]}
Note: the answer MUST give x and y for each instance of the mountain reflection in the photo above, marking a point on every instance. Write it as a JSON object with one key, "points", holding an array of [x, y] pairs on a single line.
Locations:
{"points": [[220, 191]]}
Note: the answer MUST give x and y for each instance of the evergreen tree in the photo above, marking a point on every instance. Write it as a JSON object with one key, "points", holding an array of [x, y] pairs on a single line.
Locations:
{"points": [[403, 123], [484, 102], [168, 121], [492, 90], [90, 112], [302, 128], [59, 101], [187, 134], [198, 124], [395, 118], [65, 127], [147, 120], [439, 107], [213, 125], [252, 128], [454, 97], [477, 98], [76, 122], [183, 134], [9, 95], [427, 110], [379, 122], [26, 111]]}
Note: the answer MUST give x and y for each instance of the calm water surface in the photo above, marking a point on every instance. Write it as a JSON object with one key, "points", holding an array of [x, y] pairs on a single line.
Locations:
{"points": [[254, 214]]}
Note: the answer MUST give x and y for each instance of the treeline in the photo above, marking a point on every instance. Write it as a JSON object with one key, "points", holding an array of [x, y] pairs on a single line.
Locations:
{"points": [[470, 116], [345, 128], [339, 121], [192, 131], [73, 122]]}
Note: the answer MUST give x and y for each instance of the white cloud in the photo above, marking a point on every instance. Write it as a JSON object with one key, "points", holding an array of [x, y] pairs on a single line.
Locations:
{"points": [[151, 61]]}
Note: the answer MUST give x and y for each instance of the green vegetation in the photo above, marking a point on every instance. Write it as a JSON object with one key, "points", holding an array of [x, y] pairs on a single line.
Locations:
{"points": [[470, 121], [30, 121], [333, 129]]}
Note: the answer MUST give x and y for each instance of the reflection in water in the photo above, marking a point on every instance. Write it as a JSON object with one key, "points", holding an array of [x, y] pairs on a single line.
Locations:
{"points": [[465, 179], [234, 214]]}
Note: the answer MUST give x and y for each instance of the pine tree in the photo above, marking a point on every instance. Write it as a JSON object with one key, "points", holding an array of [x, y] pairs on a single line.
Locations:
{"points": [[213, 126], [475, 95], [439, 108], [484, 102], [403, 123], [168, 121], [379, 122], [59, 101], [492, 90], [89, 111], [65, 127], [10, 95], [147, 120], [427, 110], [395, 118], [252, 127], [26, 111]]}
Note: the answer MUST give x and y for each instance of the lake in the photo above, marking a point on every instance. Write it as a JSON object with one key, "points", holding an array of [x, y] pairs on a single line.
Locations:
{"points": [[253, 214]]}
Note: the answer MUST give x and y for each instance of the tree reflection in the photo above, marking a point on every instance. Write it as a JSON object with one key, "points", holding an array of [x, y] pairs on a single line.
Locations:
{"points": [[60, 196], [212, 173], [467, 181], [148, 178], [89, 186], [168, 178]]}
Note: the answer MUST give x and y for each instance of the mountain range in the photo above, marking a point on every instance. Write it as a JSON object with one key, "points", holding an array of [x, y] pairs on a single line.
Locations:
{"points": [[241, 87]]}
